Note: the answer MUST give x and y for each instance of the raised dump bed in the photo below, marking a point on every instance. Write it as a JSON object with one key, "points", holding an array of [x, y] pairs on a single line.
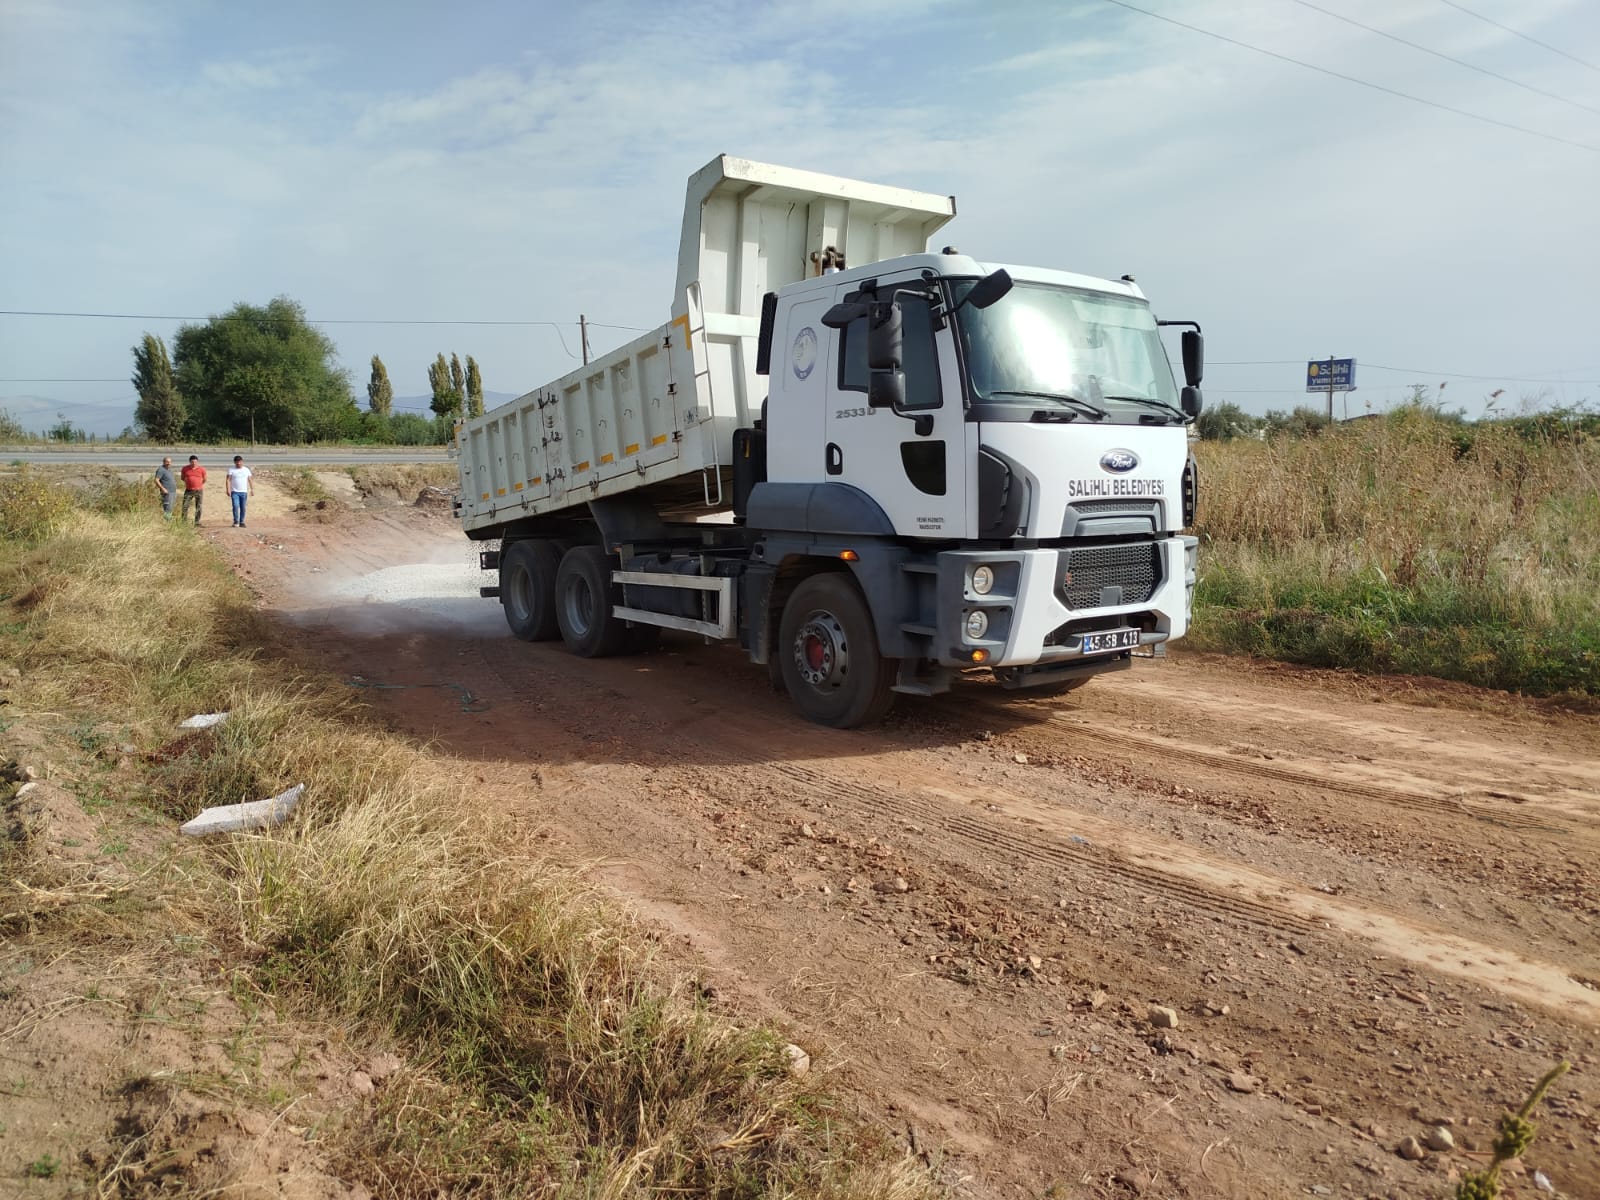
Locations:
{"points": [[658, 414]]}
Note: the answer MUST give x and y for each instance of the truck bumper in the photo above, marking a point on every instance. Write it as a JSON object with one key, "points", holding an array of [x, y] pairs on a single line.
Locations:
{"points": [[1043, 601]]}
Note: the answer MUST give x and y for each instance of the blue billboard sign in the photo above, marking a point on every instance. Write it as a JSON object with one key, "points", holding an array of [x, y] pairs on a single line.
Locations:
{"points": [[1337, 374]]}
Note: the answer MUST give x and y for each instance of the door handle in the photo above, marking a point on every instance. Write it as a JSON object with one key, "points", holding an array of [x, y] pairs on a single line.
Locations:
{"points": [[834, 460]]}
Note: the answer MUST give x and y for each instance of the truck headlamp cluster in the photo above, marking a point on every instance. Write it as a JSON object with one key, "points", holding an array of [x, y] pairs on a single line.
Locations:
{"points": [[977, 624], [982, 580]]}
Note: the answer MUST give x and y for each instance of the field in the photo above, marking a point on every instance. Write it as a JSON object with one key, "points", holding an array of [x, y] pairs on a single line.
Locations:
{"points": [[548, 927], [1408, 544], [528, 1038]]}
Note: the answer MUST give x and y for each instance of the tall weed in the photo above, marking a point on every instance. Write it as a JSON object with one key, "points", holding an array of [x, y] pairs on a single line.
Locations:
{"points": [[552, 1053], [1400, 544]]}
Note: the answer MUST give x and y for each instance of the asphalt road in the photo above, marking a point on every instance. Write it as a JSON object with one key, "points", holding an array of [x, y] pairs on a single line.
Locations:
{"points": [[261, 456]]}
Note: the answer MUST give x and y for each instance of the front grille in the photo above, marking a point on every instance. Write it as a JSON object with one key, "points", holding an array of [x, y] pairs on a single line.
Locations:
{"points": [[1089, 507], [1135, 567]]}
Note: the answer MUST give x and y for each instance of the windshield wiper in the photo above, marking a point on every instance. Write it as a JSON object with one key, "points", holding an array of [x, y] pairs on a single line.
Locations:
{"points": [[1152, 402], [1093, 411]]}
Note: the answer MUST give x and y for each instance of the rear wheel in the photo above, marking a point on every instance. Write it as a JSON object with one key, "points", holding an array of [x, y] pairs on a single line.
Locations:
{"points": [[528, 589], [584, 599], [829, 654]]}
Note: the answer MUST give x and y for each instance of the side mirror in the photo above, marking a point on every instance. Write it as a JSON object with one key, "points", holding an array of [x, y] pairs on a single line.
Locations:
{"points": [[885, 337], [1194, 357], [841, 315], [1190, 399], [886, 389], [989, 289]]}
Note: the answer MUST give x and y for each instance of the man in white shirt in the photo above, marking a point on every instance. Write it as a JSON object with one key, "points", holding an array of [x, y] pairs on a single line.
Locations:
{"points": [[241, 486]]}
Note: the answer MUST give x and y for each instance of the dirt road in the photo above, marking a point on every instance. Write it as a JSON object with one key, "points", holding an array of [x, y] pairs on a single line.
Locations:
{"points": [[1371, 906]]}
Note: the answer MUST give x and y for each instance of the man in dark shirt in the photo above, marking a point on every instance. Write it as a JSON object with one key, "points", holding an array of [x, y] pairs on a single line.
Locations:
{"points": [[168, 486]]}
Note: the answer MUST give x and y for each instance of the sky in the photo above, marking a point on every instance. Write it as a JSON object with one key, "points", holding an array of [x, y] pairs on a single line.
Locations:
{"points": [[392, 165]]}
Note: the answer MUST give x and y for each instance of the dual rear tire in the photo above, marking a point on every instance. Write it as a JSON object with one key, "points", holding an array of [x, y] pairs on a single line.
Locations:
{"points": [[550, 591]]}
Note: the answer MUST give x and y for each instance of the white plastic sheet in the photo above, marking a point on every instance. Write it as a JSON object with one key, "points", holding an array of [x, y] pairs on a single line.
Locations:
{"points": [[256, 814]]}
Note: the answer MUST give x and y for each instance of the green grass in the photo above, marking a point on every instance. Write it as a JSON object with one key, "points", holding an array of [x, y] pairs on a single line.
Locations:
{"points": [[1405, 545]]}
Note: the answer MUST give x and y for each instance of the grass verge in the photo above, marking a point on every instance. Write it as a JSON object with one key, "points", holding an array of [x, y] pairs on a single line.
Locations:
{"points": [[1402, 545], [558, 1055]]}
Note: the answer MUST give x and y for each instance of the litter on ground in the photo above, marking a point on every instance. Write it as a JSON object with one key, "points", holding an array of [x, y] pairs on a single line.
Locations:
{"points": [[256, 814], [203, 720]]}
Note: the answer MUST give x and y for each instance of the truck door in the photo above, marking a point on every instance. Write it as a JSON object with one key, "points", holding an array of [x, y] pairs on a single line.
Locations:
{"points": [[919, 479]]}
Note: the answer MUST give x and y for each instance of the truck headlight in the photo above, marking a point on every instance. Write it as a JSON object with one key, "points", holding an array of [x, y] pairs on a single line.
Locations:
{"points": [[977, 623], [982, 580]]}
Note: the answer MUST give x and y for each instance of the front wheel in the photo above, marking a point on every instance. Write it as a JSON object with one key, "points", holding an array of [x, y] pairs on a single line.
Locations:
{"points": [[829, 654]]}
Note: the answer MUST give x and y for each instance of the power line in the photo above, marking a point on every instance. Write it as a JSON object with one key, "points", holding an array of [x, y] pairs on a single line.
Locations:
{"points": [[119, 379], [1372, 366], [1460, 62], [1489, 378], [557, 326], [1518, 33], [18, 312], [1366, 83]]}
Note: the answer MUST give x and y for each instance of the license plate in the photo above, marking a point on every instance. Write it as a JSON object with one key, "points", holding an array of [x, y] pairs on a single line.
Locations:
{"points": [[1109, 640]]}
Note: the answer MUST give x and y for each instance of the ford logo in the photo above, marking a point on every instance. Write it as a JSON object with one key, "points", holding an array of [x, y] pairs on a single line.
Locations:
{"points": [[1119, 460]]}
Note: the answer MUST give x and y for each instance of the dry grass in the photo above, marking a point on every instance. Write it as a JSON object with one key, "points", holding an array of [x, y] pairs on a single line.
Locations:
{"points": [[404, 480], [1409, 543], [556, 1055]]}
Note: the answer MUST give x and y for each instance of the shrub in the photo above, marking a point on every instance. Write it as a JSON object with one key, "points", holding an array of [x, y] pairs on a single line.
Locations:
{"points": [[31, 505]]}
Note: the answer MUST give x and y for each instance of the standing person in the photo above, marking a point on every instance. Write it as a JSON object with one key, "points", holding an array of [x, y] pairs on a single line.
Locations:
{"points": [[194, 487], [241, 486], [168, 486]]}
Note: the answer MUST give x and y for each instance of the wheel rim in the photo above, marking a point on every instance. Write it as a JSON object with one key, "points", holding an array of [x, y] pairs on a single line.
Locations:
{"points": [[520, 594], [578, 602], [821, 651]]}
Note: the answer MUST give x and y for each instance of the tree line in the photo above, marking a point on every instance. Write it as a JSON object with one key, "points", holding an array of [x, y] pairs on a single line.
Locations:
{"points": [[263, 372]]}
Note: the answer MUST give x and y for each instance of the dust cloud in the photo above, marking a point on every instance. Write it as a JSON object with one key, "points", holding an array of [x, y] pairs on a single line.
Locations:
{"points": [[436, 596]]}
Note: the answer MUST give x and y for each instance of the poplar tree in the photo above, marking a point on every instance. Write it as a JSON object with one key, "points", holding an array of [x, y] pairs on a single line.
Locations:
{"points": [[446, 398], [160, 412], [474, 388], [380, 392]]}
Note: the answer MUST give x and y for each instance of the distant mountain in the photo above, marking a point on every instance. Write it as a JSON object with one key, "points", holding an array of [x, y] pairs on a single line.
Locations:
{"points": [[37, 413], [419, 404]]}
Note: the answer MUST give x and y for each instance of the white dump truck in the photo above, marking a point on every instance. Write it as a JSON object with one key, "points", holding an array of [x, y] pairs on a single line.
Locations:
{"points": [[875, 468]]}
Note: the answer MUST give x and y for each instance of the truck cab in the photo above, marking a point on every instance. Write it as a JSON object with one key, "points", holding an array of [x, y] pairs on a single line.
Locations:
{"points": [[1017, 430]]}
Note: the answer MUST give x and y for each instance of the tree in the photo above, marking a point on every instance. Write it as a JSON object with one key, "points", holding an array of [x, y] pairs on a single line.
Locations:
{"points": [[380, 392], [64, 430], [1224, 422], [160, 411], [474, 388], [1302, 422], [263, 373], [447, 398], [458, 377]]}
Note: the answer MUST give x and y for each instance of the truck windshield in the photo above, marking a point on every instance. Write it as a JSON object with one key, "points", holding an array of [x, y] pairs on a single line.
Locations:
{"points": [[1054, 347]]}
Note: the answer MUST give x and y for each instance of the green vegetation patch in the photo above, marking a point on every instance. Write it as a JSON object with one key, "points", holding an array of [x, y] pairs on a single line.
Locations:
{"points": [[1408, 544]]}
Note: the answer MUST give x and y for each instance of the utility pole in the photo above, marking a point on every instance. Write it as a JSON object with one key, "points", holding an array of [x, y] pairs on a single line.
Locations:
{"points": [[583, 336], [1330, 389]]}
